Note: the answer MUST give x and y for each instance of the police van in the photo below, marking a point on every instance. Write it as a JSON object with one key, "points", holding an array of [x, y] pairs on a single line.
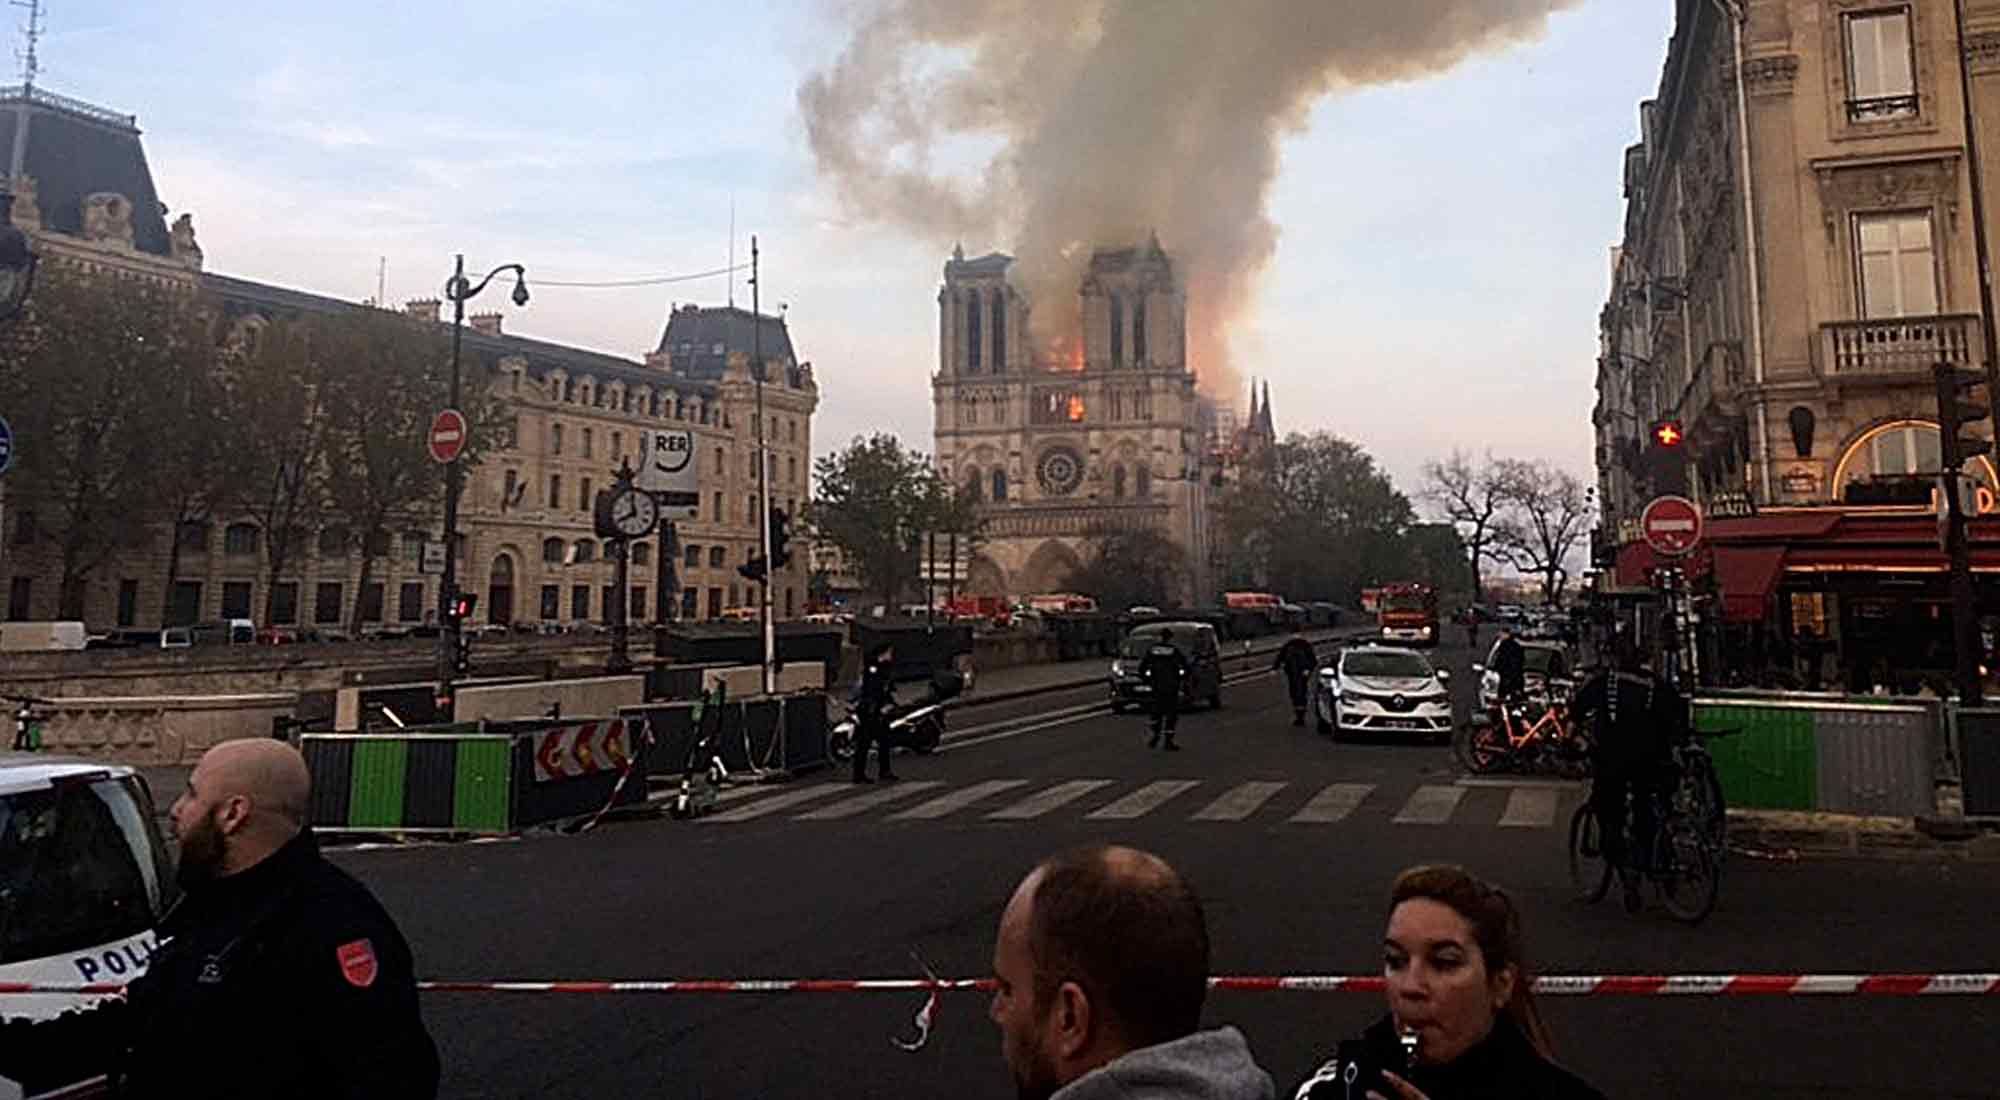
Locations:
{"points": [[84, 880]]}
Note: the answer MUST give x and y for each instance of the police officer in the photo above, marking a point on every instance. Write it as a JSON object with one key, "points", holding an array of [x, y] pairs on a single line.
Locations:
{"points": [[279, 974], [878, 694], [1297, 661], [1510, 665], [1164, 670], [1635, 717]]}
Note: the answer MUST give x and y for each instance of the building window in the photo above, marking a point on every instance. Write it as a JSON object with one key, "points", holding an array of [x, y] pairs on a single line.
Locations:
{"points": [[326, 603], [579, 601], [791, 469], [972, 483], [509, 482], [1145, 483], [1117, 331], [1881, 76], [1117, 398], [972, 337], [128, 602], [24, 527], [1118, 482], [749, 467], [371, 602], [551, 603], [720, 515], [410, 602], [791, 431], [239, 538], [555, 439], [555, 490], [333, 542], [583, 496], [715, 603], [717, 557], [413, 547], [1139, 331], [186, 609], [285, 603], [642, 553], [192, 536], [999, 331], [636, 609], [1057, 407], [604, 602], [750, 509], [235, 599], [513, 442], [732, 597], [618, 438], [586, 442], [1896, 264], [968, 410], [377, 543], [690, 602], [1000, 485], [552, 551], [692, 559], [20, 599], [586, 551]]}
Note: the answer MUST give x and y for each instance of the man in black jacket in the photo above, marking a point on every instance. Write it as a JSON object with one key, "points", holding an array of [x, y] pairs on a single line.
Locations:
{"points": [[1165, 670], [1635, 717], [878, 694], [1510, 664], [1297, 661], [279, 975]]}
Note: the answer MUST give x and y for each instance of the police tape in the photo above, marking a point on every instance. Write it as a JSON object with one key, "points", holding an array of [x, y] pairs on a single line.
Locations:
{"points": [[1610, 985]]}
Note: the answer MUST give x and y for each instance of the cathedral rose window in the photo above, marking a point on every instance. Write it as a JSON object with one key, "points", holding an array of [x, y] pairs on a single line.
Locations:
{"points": [[1059, 472]]}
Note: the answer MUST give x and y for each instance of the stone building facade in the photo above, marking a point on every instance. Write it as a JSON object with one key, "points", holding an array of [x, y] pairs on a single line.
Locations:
{"points": [[1789, 316], [1056, 452], [527, 549]]}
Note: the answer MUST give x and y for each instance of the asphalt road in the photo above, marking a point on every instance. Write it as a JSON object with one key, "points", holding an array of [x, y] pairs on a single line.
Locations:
{"points": [[768, 890]]}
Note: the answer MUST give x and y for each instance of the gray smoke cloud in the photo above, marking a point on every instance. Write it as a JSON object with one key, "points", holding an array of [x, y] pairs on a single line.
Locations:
{"points": [[1113, 119]]}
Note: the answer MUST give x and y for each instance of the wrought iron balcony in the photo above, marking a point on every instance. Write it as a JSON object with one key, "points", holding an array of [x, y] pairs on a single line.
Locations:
{"points": [[1878, 108], [1898, 347]]}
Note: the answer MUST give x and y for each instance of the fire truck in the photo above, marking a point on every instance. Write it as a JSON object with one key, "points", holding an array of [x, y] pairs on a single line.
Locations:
{"points": [[1408, 614]]}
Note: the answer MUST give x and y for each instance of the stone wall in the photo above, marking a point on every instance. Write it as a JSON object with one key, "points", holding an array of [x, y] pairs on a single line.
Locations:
{"points": [[158, 729]]}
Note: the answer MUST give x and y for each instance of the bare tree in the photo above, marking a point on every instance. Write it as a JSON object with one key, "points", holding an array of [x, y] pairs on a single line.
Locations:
{"points": [[1548, 513], [202, 473], [1471, 498], [284, 387]]}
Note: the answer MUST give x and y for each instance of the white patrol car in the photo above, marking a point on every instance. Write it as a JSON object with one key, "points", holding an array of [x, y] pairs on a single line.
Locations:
{"points": [[84, 879], [1378, 690]]}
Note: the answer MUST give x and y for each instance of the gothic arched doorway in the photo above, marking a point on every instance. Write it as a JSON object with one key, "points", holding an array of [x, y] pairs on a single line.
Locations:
{"points": [[984, 578], [1049, 568], [500, 592]]}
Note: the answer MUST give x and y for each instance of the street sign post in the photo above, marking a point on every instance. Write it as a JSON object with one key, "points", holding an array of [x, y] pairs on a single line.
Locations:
{"points": [[447, 436], [1671, 525], [433, 558], [667, 470]]}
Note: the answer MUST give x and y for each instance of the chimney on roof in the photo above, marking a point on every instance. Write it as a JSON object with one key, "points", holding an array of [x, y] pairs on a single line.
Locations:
{"points": [[488, 323], [423, 309]]}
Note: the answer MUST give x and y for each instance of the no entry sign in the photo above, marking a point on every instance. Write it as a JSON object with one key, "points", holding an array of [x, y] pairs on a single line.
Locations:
{"points": [[447, 438], [1671, 526]]}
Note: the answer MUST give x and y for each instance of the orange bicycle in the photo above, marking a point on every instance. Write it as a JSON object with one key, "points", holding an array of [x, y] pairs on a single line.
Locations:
{"points": [[1549, 744]]}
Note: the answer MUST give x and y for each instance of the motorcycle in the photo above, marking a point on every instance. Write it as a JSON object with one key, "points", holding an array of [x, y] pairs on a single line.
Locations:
{"points": [[917, 728]]}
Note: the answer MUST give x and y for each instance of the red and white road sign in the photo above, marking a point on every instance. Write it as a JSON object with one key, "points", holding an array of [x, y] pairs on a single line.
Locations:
{"points": [[447, 438], [567, 752], [1671, 525]]}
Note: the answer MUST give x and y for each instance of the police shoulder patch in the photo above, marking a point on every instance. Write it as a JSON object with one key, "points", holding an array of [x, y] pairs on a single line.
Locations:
{"points": [[357, 963]]}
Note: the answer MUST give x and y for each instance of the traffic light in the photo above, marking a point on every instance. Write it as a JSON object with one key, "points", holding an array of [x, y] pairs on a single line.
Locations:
{"points": [[1956, 409], [753, 569], [1667, 458], [461, 607], [461, 656], [780, 535]]}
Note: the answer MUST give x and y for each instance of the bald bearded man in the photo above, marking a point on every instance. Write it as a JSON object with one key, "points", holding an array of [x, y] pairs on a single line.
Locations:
{"points": [[280, 975]]}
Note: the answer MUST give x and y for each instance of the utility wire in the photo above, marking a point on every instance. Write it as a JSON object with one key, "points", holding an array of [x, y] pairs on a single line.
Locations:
{"points": [[648, 280]]}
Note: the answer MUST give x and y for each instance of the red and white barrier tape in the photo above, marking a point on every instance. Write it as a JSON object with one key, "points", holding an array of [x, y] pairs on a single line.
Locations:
{"points": [[1626, 985]]}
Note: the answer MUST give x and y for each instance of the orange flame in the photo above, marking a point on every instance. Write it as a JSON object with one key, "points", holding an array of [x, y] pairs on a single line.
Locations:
{"points": [[1075, 409]]}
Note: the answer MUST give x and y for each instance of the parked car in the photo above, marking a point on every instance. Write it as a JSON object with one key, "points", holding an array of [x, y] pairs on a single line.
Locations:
{"points": [[43, 636], [1376, 689], [1542, 663], [1197, 643]]}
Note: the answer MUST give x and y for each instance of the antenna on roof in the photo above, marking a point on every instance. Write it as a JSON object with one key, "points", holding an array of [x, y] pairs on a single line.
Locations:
{"points": [[31, 65]]}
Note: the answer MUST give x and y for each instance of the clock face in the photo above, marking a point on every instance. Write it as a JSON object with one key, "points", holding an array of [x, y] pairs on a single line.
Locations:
{"points": [[634, 513]]}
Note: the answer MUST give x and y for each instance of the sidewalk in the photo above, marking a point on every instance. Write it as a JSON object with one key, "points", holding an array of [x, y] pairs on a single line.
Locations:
{"points": [[1792, 834]]}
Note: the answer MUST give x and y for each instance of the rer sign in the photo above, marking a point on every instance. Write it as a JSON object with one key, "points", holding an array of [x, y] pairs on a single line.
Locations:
{"points": [[667, 470], [1671, 525]]}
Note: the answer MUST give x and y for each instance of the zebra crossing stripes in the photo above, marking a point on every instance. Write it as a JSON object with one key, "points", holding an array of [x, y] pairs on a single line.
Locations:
{"points": [[765, 806], [1241, 801], [1056, 797], [1144, 800], [1333, 804], [957, 800], [1430, 805], [1529, 808], [862, 803]]}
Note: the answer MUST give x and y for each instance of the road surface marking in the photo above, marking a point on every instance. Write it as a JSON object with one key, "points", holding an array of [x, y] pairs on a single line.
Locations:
{"points": [[1530, 808], [957, 800], [1334, 803], [1523, 784], [862, 803], [1144, 800], [775, 803], [1430, 806], [1035, 805], [1242, 800]]}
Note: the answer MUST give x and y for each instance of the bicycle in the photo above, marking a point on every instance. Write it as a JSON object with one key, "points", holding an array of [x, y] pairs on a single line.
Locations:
{"points": [[1684, 864], [1483, 746]]}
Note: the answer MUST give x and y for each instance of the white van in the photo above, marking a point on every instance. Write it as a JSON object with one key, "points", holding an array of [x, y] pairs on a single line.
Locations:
{"points": [[42, 637], [84, 879]]}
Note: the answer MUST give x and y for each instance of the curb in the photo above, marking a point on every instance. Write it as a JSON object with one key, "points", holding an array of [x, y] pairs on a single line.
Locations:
{"points": [[1790, 835]]}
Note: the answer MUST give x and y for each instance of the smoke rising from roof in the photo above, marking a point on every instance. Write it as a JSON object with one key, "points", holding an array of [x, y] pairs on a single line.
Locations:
{"points": [[1114, 119]]}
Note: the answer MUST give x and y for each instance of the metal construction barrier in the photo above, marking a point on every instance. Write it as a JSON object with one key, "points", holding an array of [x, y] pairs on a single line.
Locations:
{"points": [[775, 733], [1851, 755], [1977, 738], [484, 779]]}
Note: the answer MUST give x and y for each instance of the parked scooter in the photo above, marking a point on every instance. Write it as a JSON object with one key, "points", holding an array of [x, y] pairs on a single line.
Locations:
{"points": [[917, 728]]}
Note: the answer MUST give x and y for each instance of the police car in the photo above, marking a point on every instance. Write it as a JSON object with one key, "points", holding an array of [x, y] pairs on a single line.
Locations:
{"points": [[1376, 690], [84, 879]]}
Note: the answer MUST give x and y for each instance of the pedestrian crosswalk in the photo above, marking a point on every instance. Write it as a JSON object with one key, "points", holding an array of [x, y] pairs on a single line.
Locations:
{"points": [[1198, 802]]}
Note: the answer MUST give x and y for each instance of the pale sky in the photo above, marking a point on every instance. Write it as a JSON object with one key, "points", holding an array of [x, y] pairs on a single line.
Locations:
{"points": [[1443, 258]]}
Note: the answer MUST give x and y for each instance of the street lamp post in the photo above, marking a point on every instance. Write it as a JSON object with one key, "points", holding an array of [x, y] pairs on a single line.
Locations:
{"points": [[449, 626]]}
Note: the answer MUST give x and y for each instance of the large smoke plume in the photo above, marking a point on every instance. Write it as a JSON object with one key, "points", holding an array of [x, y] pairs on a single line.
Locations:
{"points": [[1113, 119]]}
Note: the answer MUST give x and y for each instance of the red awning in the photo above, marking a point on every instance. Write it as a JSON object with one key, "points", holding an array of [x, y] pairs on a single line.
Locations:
{"points": [[1778, 527], [1747, 575]]}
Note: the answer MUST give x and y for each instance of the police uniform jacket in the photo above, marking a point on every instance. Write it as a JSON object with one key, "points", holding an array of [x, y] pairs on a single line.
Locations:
{"points": [[284, 980]]}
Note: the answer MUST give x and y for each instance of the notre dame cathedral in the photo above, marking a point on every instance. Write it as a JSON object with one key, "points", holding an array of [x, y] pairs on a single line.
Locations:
{"points": [[1059, 452]]}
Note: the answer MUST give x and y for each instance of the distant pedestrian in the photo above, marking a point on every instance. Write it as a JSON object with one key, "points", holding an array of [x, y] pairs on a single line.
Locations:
{"points": [[1165, 671], [1298, 661], [877, 696], [1472, 628], [278, 974], [1100, 970]]}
